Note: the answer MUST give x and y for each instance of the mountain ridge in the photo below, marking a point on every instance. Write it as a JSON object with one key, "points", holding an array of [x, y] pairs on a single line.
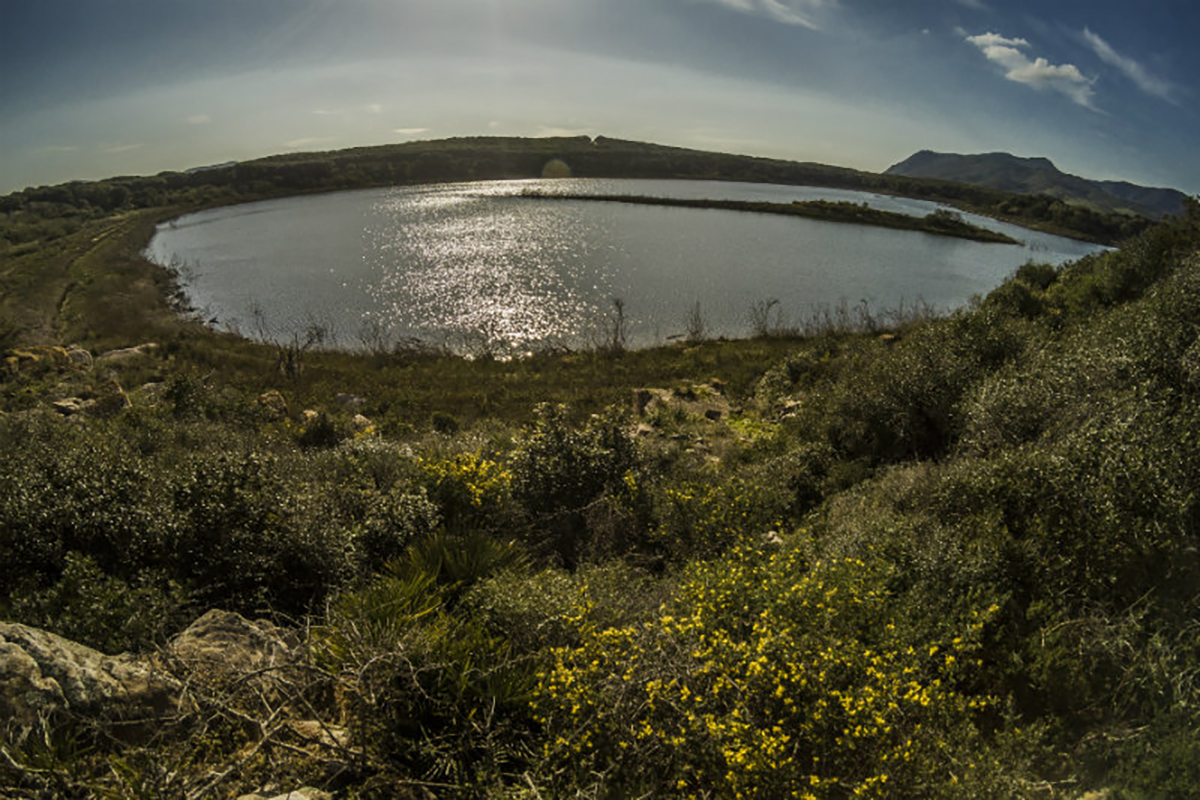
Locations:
{"points": [[1039, 175]]}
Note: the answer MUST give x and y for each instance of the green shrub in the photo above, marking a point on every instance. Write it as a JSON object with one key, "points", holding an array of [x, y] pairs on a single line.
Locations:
{"points": [[445, 423], [426, 693], [902, 401], [561, 473], [247, 536], [107, 613], [64, 489]]}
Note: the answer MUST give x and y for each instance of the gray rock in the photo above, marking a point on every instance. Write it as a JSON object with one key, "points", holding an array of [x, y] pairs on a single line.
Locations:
{"points": [[79, 357], [231, 643], [45, 674], [349, 400], [127, 353], [305, 793], [70, 406]]}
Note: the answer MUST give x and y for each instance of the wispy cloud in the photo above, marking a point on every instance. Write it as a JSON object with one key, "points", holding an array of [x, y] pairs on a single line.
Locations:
{"points": [[560, 131], [119, 148], [978, 5], [1039, 73], [58, 148], [199, 119], [790, 12], [1150, 84], [307, 141], [410, 131]]}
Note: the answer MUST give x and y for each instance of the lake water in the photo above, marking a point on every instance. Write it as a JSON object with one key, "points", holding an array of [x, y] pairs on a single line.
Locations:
{"points": [[477, 267]]}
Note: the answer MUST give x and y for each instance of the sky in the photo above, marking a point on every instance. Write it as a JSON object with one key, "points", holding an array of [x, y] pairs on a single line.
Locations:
{"points": [[1107, 89]]}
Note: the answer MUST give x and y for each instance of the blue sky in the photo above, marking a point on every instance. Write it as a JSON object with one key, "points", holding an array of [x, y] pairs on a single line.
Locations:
{"points": [[95, 88]]}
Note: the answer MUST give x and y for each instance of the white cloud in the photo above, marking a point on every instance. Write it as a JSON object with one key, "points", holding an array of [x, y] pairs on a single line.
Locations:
{"points": [[1148, 83], [119, 148], [1038, 73], [374, 108], [410, 131], [984, 40], [789, 12], [198, 119], [978, 5], [58, 148]]}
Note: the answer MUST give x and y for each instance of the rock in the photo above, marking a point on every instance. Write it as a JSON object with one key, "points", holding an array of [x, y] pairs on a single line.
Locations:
{"points": [[644, 430], [228, 642], [717, 385], [152, 390], [70, 406], [305, 793], [361, 423], [43, 674], [309, 416], [349, 400], [772, 539], [274, 403], [79, 357], [128, 353]]}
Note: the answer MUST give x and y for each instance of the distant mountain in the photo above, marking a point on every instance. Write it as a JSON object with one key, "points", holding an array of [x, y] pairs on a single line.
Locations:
{"points": [[1039, 176]]}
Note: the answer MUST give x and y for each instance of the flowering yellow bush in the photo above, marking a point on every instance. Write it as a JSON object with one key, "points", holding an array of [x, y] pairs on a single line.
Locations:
{"points": [[467, 484], [764, 676]]}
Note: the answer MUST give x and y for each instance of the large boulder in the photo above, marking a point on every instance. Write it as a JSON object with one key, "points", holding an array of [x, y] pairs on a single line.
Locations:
{"points": [[42, 674], [227, 642]]}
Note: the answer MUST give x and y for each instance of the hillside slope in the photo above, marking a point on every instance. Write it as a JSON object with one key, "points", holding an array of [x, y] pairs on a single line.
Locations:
{"points": [[1011, 173]]}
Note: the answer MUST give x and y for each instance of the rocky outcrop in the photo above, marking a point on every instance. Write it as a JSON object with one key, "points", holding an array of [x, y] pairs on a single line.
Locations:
{"points": [[127, 353], [707, 401], [42, 674]]}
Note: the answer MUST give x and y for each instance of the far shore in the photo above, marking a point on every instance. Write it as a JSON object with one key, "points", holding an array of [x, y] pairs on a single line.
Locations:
{"points": [[938, 223]]}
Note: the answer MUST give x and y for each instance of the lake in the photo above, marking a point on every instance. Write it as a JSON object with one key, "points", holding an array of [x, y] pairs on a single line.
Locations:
{"points": [[478, 268]]}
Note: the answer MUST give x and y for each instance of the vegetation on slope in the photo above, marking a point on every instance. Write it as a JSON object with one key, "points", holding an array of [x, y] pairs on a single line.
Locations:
{"points": [[956, 560]]}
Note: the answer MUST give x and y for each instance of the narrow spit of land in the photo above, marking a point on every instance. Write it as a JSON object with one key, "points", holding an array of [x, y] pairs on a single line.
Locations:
{"points": [[939, 223]]}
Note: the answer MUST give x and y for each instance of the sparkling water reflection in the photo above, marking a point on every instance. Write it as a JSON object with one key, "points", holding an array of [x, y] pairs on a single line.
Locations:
{"points": [[478, 267]]}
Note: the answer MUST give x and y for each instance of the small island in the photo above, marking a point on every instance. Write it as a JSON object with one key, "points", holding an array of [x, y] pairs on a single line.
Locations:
{"points": [[941, 222]]}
